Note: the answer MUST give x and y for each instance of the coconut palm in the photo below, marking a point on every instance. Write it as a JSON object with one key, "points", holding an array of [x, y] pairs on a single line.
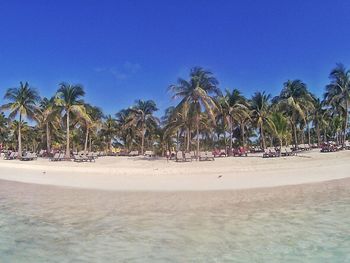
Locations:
{"points": [[196, 94], [3, 128], [141, 117], [259, 111], [338, 94], [318, 118], [23, 103], [92, 119], [48, 118], [295, 100], [237, 111], [109, 130], [180, 122], [279, 126], [69, 99]]}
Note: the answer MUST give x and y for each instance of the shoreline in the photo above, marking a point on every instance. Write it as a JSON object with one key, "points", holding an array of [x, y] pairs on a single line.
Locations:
{"points": [[143, 174]]}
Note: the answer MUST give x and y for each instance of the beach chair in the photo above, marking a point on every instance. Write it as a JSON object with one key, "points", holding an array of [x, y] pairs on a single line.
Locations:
{"points": [[216, 153], [223, 153], [193, 155], [29, 157], [210, 156], [283, 151], [78, 158], [289, 151], [347, 145], [273, 152], [188, 157], [149, 153], [179, 157], [91, 156], [55, 157], [202, 156], [15, 156], [266, 153], [9, 155], [134, 153], [62, 157]]}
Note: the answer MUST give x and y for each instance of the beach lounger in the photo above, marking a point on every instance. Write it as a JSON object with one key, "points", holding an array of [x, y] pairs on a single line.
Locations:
{"points": [[88, 157], [179, 157], [270, 152], [9, 155], [347, 145], [223, 153], [307, 147], [283, 151], [149, 153], [29, 157], [91, 156], [273, 152], [188, 157], [78, 158], [210, 156], [55, 157], [202, 156], [266, 153], [14, 156], [193, 155], [134, 153]]}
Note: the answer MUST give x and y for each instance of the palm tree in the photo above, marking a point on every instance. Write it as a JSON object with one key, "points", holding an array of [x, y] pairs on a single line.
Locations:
{"points": [[237, 110], [338, 93], [318, 118], [279, 126], [108, 130], [180, 121], [92, 119], [141, 117], [48, 117], [68, 98], [22, 102], [195, 94], [3, 129], [296, 100], [259, 105]]}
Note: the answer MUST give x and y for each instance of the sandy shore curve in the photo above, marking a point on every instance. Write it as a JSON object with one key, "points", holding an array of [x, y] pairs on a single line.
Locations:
{"points": [[148, 174]]}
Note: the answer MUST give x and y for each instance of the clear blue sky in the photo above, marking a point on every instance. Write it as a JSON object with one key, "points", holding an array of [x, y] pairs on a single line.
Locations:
{"points": [[124, 50]]}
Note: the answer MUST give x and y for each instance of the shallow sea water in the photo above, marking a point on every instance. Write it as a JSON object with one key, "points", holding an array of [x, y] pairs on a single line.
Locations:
{"points": [[309, 223]]}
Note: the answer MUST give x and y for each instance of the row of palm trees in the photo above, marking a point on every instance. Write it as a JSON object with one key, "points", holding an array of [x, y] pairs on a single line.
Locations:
{"points": [[205, 117]]}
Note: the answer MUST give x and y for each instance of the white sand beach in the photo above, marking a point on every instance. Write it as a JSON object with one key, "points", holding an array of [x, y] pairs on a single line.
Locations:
{"points": [[148, 174]]}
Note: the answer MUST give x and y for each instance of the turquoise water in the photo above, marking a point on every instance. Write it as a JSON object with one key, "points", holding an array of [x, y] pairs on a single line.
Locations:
{"points": [[290, 224]]}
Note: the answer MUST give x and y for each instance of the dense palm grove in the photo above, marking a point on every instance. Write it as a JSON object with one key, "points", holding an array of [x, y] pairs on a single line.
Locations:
{"points": [[204, 118]]}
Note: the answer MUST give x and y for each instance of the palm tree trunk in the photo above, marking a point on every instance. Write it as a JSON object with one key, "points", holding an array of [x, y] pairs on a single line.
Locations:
{"points": [[243, 135], [90, 144], [346, 120], [86, 139], [225, 138], [188, 139], [318, 136], [197, 139], [48, 139], [309, 133], [295, 135], [177, 140], [67, 139], [262, 137], [19, 137], [142, 140], [231, 135]]}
